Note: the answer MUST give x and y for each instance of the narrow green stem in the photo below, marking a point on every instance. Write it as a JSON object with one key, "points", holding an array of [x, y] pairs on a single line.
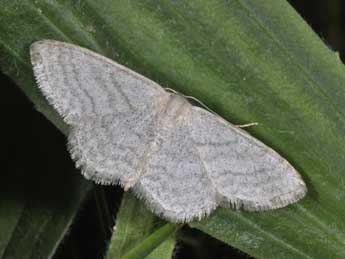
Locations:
{"points": [[145, 247]]}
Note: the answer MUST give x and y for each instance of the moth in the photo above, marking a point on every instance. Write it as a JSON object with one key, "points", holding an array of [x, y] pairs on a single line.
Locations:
{"points": [[182, 160]]}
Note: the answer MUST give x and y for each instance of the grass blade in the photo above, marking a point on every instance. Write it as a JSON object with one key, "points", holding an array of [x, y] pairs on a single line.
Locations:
{"points": [[139, 234]]}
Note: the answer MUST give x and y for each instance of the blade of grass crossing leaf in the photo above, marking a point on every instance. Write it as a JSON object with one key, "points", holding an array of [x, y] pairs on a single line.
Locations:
{"points": [[150, 246], [134, 223], [165, 250]]}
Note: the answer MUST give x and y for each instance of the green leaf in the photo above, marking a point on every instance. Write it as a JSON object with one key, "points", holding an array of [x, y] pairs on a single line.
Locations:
{"points": [[250, 61], [139, 234]]}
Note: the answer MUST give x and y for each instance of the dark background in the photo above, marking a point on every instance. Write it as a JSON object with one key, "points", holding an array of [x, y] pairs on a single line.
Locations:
{"points": [[28, 140]]}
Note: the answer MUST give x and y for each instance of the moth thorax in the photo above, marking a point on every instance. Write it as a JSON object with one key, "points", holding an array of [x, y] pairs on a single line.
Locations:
{"points": [[175, 106]]}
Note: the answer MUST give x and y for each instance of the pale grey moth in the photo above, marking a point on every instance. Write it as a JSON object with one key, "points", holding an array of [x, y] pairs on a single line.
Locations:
{"points": [[182, 160]]}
